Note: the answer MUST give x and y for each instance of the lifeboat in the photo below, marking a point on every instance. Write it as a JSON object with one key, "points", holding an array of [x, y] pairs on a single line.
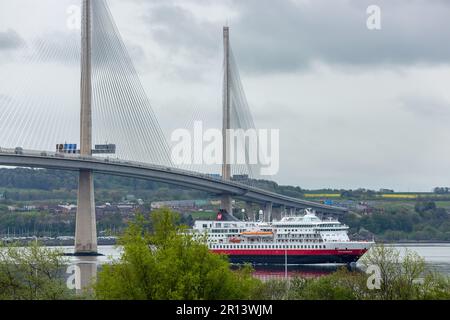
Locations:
{"points": [[234, 240], [257, 233]]}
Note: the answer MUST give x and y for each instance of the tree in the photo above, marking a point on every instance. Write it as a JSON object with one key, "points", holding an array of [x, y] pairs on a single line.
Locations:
{"points": [[32, 273], [169, 263], [441, 190], [422, 206], [398, 274], [340, 285]]}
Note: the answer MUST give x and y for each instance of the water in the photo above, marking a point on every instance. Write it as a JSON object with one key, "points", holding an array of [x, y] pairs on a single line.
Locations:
{"points": [[436, 255]]}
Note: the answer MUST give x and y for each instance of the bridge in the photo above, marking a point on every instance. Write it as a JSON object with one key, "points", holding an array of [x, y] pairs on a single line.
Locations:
{"points": [[170, 175], [111, 97]]}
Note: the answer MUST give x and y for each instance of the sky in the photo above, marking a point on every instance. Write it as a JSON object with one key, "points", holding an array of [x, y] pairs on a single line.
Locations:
{"points": [[355, 107]]}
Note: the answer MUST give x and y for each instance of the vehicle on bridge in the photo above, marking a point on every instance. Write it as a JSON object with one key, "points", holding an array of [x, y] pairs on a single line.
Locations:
{"points": [[294, 239]]}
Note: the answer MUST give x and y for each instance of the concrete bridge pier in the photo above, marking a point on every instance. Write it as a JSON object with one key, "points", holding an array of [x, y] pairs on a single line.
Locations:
{"points": [[249, 211], [283, 211], [226, 204], [268, 212], [86, 229], [277, 213]]}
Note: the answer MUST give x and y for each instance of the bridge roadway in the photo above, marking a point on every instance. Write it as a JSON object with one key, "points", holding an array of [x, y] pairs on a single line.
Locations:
{"points": [[183, 178]]}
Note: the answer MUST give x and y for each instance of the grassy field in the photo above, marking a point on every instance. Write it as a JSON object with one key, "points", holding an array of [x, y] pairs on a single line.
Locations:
{"points": [[322, 195], [399, 196], [203, 215]]}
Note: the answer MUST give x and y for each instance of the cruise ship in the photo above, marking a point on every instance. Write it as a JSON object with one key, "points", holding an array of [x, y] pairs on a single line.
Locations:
{"points": [[296, 239]]}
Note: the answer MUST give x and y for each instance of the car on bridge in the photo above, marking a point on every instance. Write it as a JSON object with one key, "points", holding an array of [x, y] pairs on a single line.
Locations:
{"points": [[18, 150]]}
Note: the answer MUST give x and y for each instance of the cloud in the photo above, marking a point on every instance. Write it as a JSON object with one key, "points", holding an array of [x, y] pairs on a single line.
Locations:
{"points": [[293, 35], [10, 40], [426, 107]]}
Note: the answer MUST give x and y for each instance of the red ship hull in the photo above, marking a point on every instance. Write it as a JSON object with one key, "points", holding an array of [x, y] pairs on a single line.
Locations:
{"points": [[269, 256]]}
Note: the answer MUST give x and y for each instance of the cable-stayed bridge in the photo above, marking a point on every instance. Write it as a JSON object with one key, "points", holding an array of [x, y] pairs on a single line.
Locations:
{"points": [[114, 107]]}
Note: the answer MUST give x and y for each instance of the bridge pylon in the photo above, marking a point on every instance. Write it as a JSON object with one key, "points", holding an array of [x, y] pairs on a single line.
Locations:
{"points": [[226, 201], [86, 230]]}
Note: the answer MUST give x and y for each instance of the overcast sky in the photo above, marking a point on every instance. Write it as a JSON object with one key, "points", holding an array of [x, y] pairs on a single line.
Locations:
{"points": [[355, 107]]}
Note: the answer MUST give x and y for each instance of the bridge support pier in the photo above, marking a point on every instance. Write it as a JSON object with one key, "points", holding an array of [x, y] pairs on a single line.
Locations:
{"points": [[268, 212], [292, 211], [249, 211], [86, 229], [277, 213], [226, 204]]}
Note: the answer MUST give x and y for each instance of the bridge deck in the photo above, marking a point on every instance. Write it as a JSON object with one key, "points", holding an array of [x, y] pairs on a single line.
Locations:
{"points": [[184, 178]]}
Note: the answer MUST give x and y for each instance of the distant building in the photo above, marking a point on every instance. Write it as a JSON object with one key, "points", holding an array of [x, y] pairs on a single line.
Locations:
{"points": [[179, 204], [68, 208]]}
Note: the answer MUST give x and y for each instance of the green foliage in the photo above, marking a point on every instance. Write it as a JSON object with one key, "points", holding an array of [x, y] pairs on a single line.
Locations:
{"points": [[273, 289], [340, 285], [402, 278], [422, 206], [32, 273], [168, 263], [22, 184], [425, 221], [405, 278]]}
